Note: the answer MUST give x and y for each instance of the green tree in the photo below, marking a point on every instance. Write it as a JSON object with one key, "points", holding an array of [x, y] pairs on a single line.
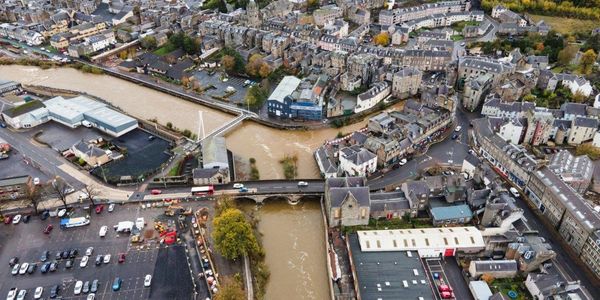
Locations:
{"points": [[233, 234], [587, 61], [230, 289], [239, 60], [228, 62], [566, 55], [190, 45], [256, 96], [148, 42]]}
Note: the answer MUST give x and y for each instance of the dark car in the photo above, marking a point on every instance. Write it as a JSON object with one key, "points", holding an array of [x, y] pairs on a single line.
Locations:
{"points": [[13, 261], [26, 218], [73, 253], [31, 268], [99, 259], [94, 287], [121, 257], [7, 219], [65, 254], [2, 124], [58, 255], [45, 214], [45, 256], [54, 291], [69, 263], [53, 266], [48, 229], [45, 267], [454, 136]]}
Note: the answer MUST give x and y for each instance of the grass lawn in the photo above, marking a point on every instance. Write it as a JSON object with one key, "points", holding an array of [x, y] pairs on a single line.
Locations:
{"points": [[516, 284], [165, 49], [457, 37], [567, 25]]}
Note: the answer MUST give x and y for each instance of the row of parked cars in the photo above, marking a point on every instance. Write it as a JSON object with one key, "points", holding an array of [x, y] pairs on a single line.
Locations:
{"points": [[16, 294]]}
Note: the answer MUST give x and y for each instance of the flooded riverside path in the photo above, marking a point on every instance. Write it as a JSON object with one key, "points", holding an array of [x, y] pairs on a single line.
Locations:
{"points": [[266, 145]]}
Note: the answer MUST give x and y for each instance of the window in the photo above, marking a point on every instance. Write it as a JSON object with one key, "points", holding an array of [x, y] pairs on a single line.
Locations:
{"points": [[336, 213]]}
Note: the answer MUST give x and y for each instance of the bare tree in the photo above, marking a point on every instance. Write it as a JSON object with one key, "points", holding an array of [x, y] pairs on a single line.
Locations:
{"points": [[60, 188], [35, 196], [91, 192]]}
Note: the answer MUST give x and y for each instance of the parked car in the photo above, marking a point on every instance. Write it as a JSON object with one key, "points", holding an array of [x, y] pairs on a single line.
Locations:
{"points": [[111, 207], [402, 162], [32, 268], [147, 280], [64, 254], [48, 229], [454, 136], [155, 192], [58, 255], [121, 257], [458, 128], [84, 261], [21, 295], [69, 264], [7, 219], [103, 231], [116, 284], [98, 260], [238, 185], [12, 293], [94, 287], [38, 292], [302, 183], [61, 213], [26, 219], [16, 219], [13, 261], [99, 208], [45, 256], [73, 253], [54, 291], [86, 287], [91, 296], [89, 251], [53, 266], [36, 181], [45, 214], [15, 269], [78, 287], [106, 258], [23, 268], [514, 192], [45, 267]]}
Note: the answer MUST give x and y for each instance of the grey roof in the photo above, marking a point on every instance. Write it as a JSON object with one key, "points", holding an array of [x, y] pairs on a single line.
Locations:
{"points": [[382, 201], [89, 149], [482, 266], [204, 173], [14, 180], [23, 109], [357, 155], [340, 189], [381, 275], [585, 122], [574, 108], [325, 161]]}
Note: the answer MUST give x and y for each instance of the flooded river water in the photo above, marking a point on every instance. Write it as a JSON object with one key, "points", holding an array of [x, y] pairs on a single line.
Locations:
{"points": [[266, 145]]}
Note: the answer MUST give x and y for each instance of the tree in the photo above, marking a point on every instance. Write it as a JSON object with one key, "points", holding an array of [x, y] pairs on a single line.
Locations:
{"points": [[256, 96], [34, 196], [61, 189], [264, 70], [190, 45], [91, 192], [587, 61], [254, 63], [228, 62], [185, 81], [529, 98], [230, 289], [382, 39], [223, 203], [233, 234], [566, 55], [123, 55], [148, 42]]}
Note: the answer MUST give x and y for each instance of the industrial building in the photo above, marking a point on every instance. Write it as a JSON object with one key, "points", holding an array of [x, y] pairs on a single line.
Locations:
{"points": [[73, 113]]}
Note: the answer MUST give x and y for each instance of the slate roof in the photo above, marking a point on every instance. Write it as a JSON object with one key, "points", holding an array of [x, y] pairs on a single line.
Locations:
{"points": [[340, 189]]}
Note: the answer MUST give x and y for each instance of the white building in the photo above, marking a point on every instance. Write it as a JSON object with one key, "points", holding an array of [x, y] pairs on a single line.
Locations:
{"points": [[377, 93], [102, 40], [480, 290], [357, 161], [577, 84], [511, 131]]}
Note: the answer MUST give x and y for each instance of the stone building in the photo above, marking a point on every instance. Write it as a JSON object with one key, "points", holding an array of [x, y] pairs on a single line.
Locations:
{"points": [[406, 82], [347, 201]]}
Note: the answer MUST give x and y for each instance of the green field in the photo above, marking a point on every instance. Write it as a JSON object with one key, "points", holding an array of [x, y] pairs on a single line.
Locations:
{"points": [[567, 25]]}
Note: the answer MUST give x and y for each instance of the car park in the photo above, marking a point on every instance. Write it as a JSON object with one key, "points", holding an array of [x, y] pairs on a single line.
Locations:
{"points": [[15, 269], [54, 291], [84, 261], [103, 231], [13, 261], [94, 287], [78, 287], [86, 287], [38, 292], [23, 268], [16, 219], [21, 295], [106, 258], [12, 293], [48, 229], [32, 268], [45, 256], [147, 280], [116, 284], [89, 251]]}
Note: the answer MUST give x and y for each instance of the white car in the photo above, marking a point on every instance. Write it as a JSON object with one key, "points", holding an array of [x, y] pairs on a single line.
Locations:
{"points": [[38, 292], [21, 294], [78, 286], [91, 296], [89, 251], [238, 185], [103, 231], [458, 128], [147, 280], [36, 181], [84, 261], [15, 269], [62, 212], [23, 268], [106, 258], [514, 192], [402, 162], [111, 207], [12, 294], [16, 219], [302, 183]]}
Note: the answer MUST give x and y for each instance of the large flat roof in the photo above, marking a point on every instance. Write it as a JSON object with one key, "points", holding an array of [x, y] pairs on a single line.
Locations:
{"points": [[285, 88], [389, 275], [72, 109], [110, 117], [421, 239]]}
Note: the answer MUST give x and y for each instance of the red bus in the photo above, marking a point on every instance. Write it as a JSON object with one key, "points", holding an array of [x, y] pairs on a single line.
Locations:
{"points": [[203, 190]]}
